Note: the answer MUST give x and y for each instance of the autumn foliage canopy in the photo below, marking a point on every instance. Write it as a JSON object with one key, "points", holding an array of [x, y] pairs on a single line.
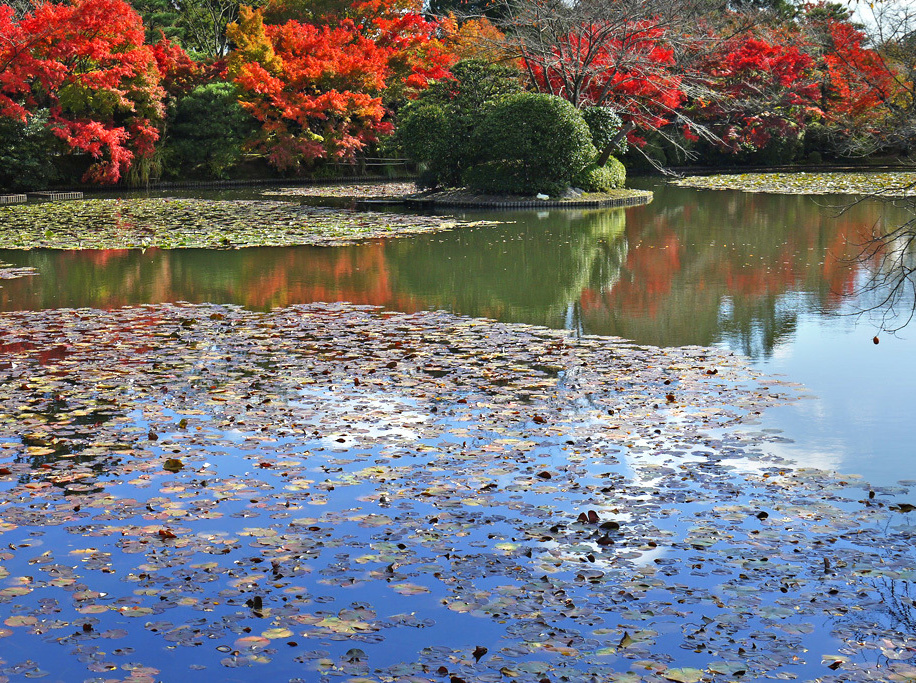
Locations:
{"points": [[87, 65], [318, 89], [323, 81]]}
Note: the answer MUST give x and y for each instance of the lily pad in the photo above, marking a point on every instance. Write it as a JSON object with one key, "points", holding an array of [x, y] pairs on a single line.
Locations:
{"points": [[140, 223], [405, 516], [879, 183]]}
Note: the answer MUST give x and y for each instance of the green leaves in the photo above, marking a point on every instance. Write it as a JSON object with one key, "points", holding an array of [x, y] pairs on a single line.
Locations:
{"points": [[197, 223], [885, 184]]}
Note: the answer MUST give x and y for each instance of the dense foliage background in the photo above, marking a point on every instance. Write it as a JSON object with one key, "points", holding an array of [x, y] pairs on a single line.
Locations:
{"points": [[111, 91]]}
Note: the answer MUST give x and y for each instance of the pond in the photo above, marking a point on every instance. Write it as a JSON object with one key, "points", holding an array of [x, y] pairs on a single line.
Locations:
{"points": [[768, 276], [318, 509]]}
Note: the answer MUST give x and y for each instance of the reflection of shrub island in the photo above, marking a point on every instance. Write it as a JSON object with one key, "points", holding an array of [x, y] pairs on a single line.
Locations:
{"points": [[479, 131]]}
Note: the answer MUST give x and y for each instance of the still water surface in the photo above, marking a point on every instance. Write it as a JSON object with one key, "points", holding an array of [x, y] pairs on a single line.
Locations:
{"points": [[768, 276]]}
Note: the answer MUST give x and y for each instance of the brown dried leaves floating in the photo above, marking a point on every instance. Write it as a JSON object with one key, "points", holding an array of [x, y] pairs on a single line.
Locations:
{"points": [[140, 223], [289, 517]]}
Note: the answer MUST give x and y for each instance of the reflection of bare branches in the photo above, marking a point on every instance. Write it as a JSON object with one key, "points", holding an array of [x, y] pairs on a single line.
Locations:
{"points": [[898, 599], [892, 26], [890, 255]]}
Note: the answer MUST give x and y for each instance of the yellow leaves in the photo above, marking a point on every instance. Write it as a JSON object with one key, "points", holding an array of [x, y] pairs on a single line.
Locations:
{"points": [[252, 43], [476, 39]]}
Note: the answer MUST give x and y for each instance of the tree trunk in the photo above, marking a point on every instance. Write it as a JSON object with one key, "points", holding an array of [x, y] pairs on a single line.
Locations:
{"points": [[612, 145]]}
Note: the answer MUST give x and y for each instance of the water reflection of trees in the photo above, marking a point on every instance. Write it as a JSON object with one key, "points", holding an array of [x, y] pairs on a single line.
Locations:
{"points": [[690, 268], [733, 267], [529, 271], [889, 291], [898, 598], [532, 271]]}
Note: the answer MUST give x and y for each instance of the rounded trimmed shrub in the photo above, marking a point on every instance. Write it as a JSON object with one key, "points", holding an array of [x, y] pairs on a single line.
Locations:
{"points": [[436, 129], [594, 178], [425, 133], [500, 177], [604, 124], [530, 143]]}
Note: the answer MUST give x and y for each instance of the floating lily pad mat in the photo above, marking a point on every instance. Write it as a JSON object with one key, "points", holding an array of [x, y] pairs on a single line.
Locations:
{"points": [[329, 492], [10, 272], [885, 184], [347, 190], [187, 223]]}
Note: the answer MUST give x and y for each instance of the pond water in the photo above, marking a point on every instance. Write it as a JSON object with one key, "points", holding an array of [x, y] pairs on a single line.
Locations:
{"points": [[773, 277], [250, 485]]}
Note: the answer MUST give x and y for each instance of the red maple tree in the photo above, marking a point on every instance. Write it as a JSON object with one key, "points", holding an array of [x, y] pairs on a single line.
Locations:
{"points": [[86, 64], [855, 81], [757, 89], [628, 66]]}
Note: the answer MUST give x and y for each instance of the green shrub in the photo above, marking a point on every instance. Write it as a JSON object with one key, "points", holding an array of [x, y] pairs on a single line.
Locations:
{"points": [[427, 136], [436, 130], [530, 143], [604, 124], [508, 178], [593, 178], [206, 131]]}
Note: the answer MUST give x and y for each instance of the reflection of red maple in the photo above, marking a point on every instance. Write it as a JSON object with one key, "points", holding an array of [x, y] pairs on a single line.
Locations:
{"points": [[669, 288], [359, 276], [657, 277]]}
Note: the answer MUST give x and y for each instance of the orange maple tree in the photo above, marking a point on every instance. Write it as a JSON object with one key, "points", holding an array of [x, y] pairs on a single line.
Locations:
{"points": [[317, 89]]}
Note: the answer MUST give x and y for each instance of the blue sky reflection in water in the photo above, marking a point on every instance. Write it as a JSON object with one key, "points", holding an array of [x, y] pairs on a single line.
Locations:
{"points": [[732, 537], [764, 275]]}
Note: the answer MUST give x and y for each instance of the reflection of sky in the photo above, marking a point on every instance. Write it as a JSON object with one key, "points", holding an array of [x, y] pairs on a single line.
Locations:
{"points": [[860, 420]]}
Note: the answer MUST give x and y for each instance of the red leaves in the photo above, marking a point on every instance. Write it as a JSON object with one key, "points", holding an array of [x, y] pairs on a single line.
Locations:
{"points": [[626, 65], [180, 74], [855, 80], [316, 89], [87, 64], [761, 88]]}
